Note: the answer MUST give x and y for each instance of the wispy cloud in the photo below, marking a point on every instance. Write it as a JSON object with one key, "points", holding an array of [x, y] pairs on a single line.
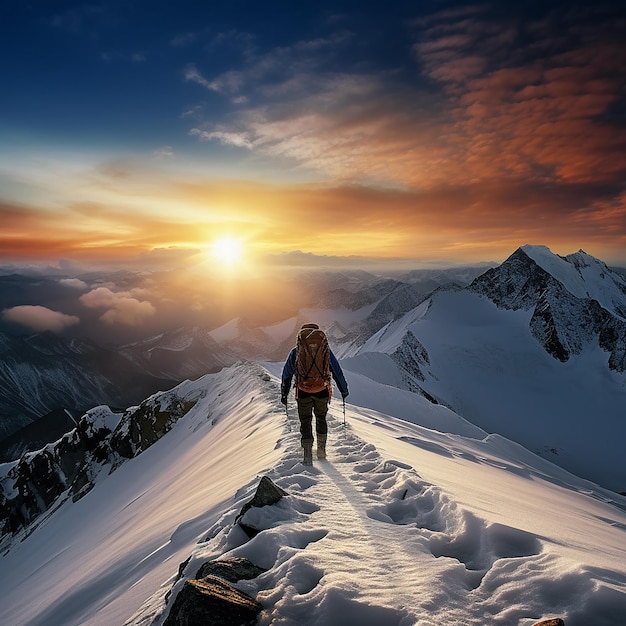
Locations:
{"points": [[531, 98], [510, 115], [508, 97], [484, 127], [226, 137]]}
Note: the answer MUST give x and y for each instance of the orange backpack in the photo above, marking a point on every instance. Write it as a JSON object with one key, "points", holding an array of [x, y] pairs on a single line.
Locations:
{"points": [[312, 360]]}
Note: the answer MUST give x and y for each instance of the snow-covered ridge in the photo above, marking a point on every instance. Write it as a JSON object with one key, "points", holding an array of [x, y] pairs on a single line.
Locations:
{"points": [[401, 525]]}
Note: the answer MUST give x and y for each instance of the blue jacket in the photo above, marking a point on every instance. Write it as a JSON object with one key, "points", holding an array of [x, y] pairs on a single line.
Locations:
{"points": [[289, 369]]}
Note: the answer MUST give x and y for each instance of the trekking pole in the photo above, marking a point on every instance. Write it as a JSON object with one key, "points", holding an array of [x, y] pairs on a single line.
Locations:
{"points": [[344, 412]]}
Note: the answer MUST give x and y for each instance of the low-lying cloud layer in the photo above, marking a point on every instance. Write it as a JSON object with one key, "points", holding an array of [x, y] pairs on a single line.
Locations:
{"points": [[39, 318], [121, 307]]}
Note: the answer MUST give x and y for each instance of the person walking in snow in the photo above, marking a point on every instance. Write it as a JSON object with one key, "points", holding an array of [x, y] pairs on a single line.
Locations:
{"points": [[313, 364]]}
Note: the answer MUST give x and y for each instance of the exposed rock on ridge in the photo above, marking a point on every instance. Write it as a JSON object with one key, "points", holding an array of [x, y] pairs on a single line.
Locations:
{"points": [[211, 601], [209, 598]]}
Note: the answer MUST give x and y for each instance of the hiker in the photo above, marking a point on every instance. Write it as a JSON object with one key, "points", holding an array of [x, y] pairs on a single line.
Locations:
{"points": [[312, 363]]}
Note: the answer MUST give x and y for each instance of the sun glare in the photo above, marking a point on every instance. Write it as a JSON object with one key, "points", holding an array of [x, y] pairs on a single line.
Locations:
{"points": [[227, 250]]}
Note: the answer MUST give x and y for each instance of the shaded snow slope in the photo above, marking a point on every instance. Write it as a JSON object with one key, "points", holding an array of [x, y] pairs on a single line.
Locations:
{"points": [[484, 363], [401, 525], [95, 561]]}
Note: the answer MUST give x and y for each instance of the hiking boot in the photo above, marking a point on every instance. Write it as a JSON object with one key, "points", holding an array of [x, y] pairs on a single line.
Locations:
{"points": [[308, 455], [321, 446]]}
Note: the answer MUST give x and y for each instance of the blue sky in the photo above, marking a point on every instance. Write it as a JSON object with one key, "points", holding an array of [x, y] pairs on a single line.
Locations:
{"points": [[412, 131]]}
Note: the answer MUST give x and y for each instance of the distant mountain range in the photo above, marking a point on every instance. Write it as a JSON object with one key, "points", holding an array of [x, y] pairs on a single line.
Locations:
{"points": [[531, 349], [42, 373], [184, 353]]}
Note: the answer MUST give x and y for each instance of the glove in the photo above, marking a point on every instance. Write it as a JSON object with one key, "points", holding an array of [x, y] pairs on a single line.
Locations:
{"points": [[283, 399], [345, 394]]}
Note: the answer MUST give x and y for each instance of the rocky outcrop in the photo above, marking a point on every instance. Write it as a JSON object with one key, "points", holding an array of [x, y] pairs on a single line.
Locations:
{"points": [[412, 356], [55, 473], [67, 469], [211, 601], [413, 360], [231, 570], [142, 426], [267, 493], [550, 622]]}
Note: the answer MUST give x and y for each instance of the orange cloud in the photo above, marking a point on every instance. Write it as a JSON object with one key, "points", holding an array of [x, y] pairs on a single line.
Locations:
{"points": [[501, 132], [516, 112], [462, 221]]}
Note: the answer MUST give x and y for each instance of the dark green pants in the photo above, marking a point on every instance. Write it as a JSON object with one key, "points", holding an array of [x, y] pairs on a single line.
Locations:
{"points": [[307, 407]]}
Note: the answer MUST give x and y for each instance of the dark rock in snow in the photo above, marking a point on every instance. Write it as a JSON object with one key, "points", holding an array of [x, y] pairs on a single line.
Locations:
{"points": [[147, 423], [231, 570], [212, 602], [413, 359], [55, 473], [412, 356], [550, 622], [267, 493]]}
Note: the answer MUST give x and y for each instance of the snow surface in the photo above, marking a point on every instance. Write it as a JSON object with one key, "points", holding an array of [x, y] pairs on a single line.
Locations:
{"points": [[402, 524]]}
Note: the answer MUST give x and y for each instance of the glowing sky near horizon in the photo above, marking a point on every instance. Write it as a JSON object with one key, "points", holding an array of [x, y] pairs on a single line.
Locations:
{"points": [[411, 131]]}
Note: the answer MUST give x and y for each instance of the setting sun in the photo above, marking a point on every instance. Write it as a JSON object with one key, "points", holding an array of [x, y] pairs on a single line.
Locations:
{"points": [[227, 250]]}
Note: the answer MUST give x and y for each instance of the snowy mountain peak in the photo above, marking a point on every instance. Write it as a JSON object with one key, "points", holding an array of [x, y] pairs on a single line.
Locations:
{"points": [[519, 354], [584, 276], [575, 302]]}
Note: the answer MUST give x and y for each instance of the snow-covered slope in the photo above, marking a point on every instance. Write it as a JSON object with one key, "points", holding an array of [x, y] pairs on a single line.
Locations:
{"points": [[480, 352], [401, 525]]}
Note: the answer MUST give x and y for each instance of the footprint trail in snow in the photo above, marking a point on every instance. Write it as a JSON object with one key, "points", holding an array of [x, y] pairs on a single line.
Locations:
{"points": [[361, 537]]}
